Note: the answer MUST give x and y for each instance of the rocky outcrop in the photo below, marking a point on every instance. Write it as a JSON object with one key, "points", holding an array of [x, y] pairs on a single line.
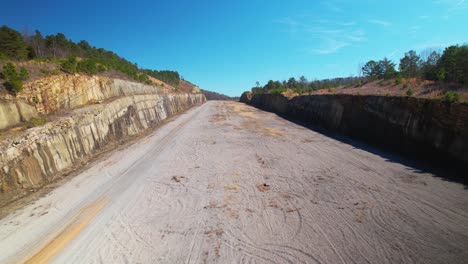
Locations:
{"points": [[409, 125], [13, 112], [67, 91], [43, 153], [63, 92]]}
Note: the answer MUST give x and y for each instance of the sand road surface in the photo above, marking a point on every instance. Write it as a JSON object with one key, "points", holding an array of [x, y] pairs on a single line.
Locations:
{"points": [[227, 183]]}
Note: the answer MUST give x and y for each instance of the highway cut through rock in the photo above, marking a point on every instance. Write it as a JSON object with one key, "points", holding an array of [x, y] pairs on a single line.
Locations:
{"points": [[228, 183]]}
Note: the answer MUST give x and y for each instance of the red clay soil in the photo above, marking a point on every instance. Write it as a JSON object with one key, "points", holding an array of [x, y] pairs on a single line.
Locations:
{"points": [[425, 89]]}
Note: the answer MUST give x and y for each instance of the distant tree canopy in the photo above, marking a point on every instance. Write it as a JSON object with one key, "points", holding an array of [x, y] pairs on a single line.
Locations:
{"points": [[170, 77], [303, 85], [383, 69], [450, 66], [217, 96], [453, 64], [73, 57], [410, 64], [12, 45]]}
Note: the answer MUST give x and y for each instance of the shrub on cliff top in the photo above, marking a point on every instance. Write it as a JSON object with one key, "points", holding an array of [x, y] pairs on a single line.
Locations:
{"points": [[23, 74], [452, 97], [398, 80], [69, 65], [410, 92], [278, 90], [87, 66], [13, 79], [37, 121]]}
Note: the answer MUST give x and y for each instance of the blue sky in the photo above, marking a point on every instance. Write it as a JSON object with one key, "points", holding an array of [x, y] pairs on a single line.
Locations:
{"points": [[226, 46]]}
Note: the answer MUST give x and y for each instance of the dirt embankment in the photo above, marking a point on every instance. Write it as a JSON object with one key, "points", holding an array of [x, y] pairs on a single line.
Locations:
{"points": [[417, 126]]}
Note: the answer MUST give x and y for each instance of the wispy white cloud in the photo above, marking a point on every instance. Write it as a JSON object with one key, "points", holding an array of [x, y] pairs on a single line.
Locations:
{"points": [[452, 3], [379, 22], [292, 24], [324, 36], [330, 46], [392, 54], [451, 8], [436, 44]]}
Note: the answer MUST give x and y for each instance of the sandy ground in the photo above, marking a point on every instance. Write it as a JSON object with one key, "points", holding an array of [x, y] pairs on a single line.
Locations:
{"points": [[227, 183]]}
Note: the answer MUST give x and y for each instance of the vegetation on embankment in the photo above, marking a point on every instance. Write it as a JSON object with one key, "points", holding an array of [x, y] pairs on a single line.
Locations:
{"points": [[424, 127], [430, 74], [30, 56]]}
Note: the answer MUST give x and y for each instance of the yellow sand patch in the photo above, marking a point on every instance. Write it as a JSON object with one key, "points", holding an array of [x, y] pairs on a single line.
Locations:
{"points": [[269, 131], [218, 119], [249, 114], [232, 187], [243, 110], [71, 231]]}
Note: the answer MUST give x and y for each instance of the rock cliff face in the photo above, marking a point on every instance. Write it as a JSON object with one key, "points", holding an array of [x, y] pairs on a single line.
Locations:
{"points": [[13, 112], [406, 124], [41, 154], [65, 91]]}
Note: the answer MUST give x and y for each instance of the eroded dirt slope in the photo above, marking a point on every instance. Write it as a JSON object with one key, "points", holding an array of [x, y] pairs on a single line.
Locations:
{"points": [[227, 183]]}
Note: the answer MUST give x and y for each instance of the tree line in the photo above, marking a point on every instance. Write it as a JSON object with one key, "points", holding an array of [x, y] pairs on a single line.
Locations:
{"points": [[73, 57], [170, 77], [450, 66], [302, 85], [217, 96]]}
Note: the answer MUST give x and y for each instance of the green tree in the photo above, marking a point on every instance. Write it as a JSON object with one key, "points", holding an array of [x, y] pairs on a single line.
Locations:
{"points": [[429, 66], [409, 64], [410, 92], [23, 74], [371, 69], [382, 69], [142, 77], [272, 85], [454, 63], [12, 80], [452, 97], [386, 69], [12, 44], [292, 83], [69, 65], [302, 83], [87, 66]]}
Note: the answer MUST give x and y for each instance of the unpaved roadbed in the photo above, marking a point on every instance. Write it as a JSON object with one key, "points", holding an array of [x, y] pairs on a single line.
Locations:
{"points": [[227, 183]]}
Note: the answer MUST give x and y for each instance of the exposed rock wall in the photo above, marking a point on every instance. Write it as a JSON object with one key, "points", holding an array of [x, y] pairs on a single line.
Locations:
{"points": [[42, 153], [406, 124], [13, 112], [65, 92], [68, 91]]}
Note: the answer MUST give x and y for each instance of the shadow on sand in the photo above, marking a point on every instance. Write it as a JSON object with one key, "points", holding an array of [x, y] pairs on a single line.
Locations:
{"points": [[419, 161]]}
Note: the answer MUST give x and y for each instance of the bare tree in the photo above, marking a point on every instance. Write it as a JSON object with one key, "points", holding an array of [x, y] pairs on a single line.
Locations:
{"points": [[360, 66], [426, 53]]}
